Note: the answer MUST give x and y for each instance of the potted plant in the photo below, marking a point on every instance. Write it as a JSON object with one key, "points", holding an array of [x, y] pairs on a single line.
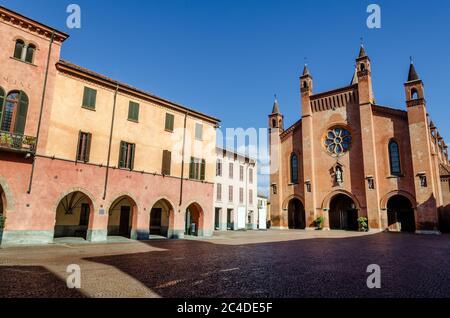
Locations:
{"points": [[362, 222], [5, 140], [319, 222]]}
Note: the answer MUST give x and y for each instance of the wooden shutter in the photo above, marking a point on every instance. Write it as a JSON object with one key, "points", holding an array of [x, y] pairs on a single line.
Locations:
{"points": [[131, 159], [87, 149], [202, 169], [19, 127], [122, 154], [166, 162], [89, 97], [78, 156], [192, 169], [133, 111], [169, 122]]}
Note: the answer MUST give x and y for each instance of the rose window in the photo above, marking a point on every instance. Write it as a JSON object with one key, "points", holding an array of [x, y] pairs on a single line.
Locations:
{"points": [[338, 141]]}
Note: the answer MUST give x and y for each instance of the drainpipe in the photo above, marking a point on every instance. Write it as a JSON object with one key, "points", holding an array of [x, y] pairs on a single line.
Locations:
{"points": [[110, 141], [44, 89], [182, 158]]}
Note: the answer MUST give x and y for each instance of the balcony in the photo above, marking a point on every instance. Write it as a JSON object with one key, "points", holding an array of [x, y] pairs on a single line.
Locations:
{"points": [[17, 142]]}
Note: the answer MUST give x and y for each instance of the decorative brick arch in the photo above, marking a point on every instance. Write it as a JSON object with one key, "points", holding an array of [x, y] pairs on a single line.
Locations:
{"points": [[120, 195], [201, 217], [9, 199], [171, 208], [135, 210], [163, 198], [331, 195], [286, 201], [409, 196]]}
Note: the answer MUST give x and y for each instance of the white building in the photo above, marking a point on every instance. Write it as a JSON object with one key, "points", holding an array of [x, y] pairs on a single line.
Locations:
{"points": [[263, 217], [235, 191]]}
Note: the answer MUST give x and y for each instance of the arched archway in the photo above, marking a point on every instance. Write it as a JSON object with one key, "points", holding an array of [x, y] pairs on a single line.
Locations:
{"points": [[296, 214], [122, 216], [161, 218], [194, 220], [400, 212], [73, 215], [343, 213]]}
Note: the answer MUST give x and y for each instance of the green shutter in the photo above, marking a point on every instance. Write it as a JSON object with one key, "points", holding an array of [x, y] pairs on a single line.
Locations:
{"points": [[166, 162], [192, 169], [122, 154], [133, 111], [133, 148], [19, 127], [202, 170], [89, 98], [169, 122], [87, 149], [80, 141]]}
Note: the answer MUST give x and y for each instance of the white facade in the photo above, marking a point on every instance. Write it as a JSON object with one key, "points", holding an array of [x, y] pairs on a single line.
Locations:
{"points": [[262, 213], [235, 192]]}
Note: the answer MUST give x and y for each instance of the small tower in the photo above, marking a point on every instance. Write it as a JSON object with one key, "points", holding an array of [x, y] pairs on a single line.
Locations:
{"points": [[364, 77], [276, 118], [306, 90], [275, 195], [424, 159]]}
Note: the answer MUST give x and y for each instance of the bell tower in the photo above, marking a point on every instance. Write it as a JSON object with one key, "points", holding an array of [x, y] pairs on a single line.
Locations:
{"points": [[275, 129], [426, 181]]}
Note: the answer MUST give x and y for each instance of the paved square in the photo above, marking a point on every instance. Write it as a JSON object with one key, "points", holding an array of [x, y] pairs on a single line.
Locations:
{"points": [[235, 264]]}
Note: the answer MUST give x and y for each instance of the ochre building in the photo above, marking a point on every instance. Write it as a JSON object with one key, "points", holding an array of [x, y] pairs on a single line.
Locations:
{"points": [[349, 157], [83, 155]]}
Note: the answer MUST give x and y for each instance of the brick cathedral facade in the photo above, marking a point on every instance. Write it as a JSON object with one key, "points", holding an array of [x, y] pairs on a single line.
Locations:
{"points": [[348, 157]]}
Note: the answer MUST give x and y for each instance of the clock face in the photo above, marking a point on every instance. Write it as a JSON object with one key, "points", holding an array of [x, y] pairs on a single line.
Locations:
{"points": [[338, 141]]}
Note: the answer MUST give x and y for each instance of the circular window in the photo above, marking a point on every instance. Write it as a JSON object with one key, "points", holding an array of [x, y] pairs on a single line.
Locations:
{"points": [[337, 141]]}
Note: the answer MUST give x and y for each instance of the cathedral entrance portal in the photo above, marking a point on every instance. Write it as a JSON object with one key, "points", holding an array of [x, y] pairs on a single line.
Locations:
{"points": [[296, 215], [343, 213]]}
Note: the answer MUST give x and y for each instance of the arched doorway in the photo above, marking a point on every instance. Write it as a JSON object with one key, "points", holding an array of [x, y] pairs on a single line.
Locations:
{"points": [[296, 214], [194, 220], [343, 213], [400, 214], [121, 217], [73, 215], [161, 218]]}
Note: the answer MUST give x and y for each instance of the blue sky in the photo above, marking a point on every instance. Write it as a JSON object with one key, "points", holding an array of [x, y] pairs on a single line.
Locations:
{"points": [[228, 58]]}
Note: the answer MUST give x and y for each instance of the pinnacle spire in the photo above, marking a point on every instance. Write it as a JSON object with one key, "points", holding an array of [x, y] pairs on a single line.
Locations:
{"points": [[355, 77], [362, 51], [276, 108], [306, 70], [412, 75]]}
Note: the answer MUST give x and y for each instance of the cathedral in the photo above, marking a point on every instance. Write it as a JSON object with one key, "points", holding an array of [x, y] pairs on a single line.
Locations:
{"points": [[351, 164]]}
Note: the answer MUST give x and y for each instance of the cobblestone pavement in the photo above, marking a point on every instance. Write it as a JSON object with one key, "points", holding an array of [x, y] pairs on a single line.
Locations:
{"points": [[235, 264]]}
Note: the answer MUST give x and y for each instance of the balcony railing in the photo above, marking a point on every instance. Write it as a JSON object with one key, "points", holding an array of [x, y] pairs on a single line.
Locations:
{"points": [[17, 142]]}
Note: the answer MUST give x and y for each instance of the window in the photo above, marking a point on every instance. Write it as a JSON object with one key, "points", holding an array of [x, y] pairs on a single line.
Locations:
{"points": [[84, 146], [13, 112], [18, 50], [219, 192], [30, 53], [84, 214], [250, 196], [241, 173], [274, 189], [241, 195], [230, 170], [230, 193], [198, 131], [394, 158], [133, 111], [250, 175], [219, 168], [338, 141], [414, 93], [169, 122], [166, 162], [89, 98], [363, 67], [2, 100], [197, 169], [294, 169], [126, 156]]}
